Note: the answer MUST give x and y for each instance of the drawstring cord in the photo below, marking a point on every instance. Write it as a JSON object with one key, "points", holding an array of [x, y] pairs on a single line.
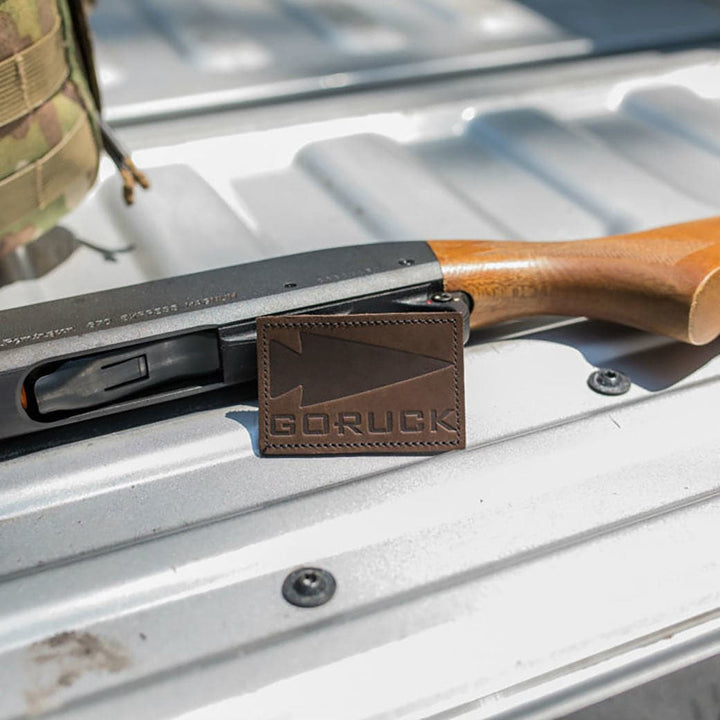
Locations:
{"points": [[129, 172]]}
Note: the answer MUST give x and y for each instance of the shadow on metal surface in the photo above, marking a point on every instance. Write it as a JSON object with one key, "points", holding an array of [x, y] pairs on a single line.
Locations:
{"points": [[249, 420], [40, 257], [653, 363]]}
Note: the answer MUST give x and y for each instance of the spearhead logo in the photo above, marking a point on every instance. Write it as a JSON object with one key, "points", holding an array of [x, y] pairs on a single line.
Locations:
{"points": [[388, 383], [359, 367]]}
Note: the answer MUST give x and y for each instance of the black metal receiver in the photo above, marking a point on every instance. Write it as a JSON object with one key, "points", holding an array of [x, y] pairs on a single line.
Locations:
{"points": [[93, 355]]}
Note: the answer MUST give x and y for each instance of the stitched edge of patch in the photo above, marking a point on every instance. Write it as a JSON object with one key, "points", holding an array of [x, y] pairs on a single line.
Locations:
{"points": [[285, 324]]}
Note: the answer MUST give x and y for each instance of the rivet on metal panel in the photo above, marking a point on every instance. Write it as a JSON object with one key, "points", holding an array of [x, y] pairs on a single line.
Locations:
{"points": [[406, 262], [442, 297], [609, 382], [309, 587]]}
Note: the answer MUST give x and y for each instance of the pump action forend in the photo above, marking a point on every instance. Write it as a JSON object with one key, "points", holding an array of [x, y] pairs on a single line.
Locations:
{"points": [[92, 355]]}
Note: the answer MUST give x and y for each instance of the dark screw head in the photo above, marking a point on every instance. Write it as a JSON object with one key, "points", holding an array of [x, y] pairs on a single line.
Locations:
{"points": [[406, 262], [609, 382], [442, 297], [309, 587]]}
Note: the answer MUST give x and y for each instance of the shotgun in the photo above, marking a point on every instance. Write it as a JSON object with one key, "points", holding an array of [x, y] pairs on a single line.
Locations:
{"points": [[92, 355]]}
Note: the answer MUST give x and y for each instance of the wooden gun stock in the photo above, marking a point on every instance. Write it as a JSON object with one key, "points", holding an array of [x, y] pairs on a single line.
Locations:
{"points": [[666, 280]]}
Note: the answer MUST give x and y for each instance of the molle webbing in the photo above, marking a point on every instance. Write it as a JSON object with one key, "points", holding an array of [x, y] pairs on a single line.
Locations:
{"points": [[32, 76], [42, 181]]}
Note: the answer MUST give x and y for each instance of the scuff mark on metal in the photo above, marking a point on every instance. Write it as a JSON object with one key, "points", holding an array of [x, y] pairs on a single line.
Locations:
{"points": [[58, 662]]}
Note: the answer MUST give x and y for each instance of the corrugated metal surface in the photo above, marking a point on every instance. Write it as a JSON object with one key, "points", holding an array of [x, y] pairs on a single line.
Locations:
{"points": [[691, 692], [572, 549], [195, 54]]}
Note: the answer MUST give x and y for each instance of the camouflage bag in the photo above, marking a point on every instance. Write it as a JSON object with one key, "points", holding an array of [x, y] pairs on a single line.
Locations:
{"points": [[51, 132]]}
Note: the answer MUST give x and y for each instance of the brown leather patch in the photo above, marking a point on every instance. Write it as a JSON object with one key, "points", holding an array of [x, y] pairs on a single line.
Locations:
{"points": [[351, 384]]}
